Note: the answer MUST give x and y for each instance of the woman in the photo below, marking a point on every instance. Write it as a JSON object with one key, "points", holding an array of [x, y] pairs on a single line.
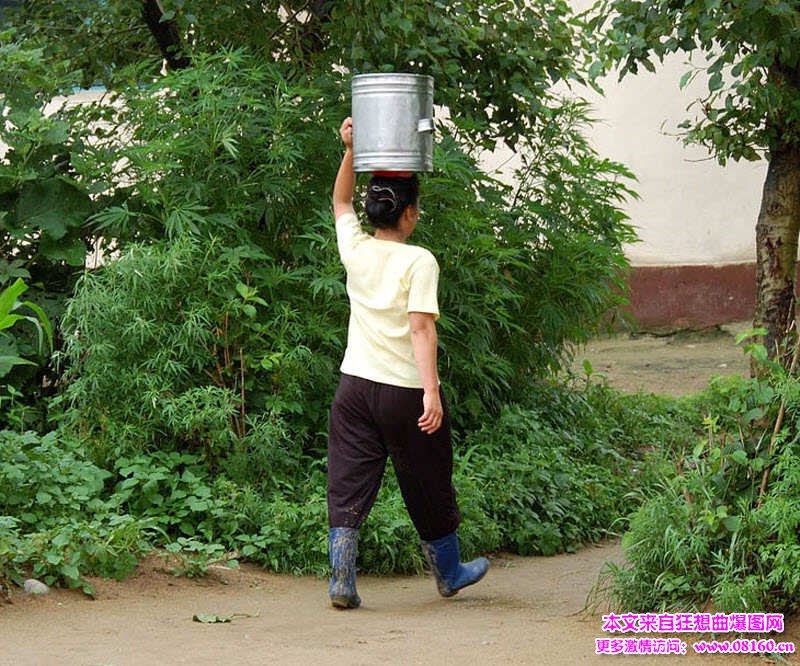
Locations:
{"points": [[389, 402]]}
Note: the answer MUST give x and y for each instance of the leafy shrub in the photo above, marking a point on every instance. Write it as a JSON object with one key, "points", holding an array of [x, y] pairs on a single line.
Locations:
{"points": [[173, 490], [16, 348], [546, 477], [180, 358], [200, 360], [45, 479], [721, 527], [106, 545], [290, 535], [247, 297], [269, 456], [192, 558], [54, 519], [545, 492]]}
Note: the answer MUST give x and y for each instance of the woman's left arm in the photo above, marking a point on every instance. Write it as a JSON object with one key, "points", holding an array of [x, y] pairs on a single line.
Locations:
{"points": [[424, 341], [345, 178]]}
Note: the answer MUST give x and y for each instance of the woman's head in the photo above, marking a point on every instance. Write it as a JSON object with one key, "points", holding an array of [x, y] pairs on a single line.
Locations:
{"points": [[388, 198]]}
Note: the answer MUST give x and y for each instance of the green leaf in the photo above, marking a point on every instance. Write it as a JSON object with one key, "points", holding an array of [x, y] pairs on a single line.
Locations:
{"points": [[732, 523], [230, 145], [62, 539], [52, 206], [739, 456], [8, 362], [596, 70], [42, 323], [211, 619], [9, 320], [715, 82], [750, 334], [70, 572], [73, 253], [752, 415], [9, 296]]}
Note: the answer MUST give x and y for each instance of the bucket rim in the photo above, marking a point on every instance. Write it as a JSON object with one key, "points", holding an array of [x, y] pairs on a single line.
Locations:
{"points": [[391, 75]]}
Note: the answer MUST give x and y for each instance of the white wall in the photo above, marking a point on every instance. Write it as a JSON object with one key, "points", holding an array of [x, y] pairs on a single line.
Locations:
{"points": [[691, 210]]}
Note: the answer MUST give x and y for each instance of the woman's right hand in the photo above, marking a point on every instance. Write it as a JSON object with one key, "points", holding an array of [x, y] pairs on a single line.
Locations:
{"points": [[346, 132]]}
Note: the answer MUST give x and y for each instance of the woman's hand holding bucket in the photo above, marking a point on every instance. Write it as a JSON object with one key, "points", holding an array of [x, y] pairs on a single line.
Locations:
{"points": [[346, 132]]}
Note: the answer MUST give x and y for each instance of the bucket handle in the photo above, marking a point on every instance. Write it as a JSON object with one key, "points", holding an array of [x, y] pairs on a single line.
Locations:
{"points": [[425, 125]]}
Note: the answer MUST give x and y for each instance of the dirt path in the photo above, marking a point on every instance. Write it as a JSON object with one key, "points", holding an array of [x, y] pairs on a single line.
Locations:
{"points": [[671, 365], [526, 611]]}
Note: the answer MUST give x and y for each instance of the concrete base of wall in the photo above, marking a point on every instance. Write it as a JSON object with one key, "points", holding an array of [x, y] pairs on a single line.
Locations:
{"points": [[680, 297]]}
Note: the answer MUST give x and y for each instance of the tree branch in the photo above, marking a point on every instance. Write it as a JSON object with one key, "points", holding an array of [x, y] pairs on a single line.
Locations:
{"points": [[311, 35]]}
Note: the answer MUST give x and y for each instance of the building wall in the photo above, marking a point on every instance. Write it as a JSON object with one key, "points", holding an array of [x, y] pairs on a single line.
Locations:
{"points": [[694, 264], [692, 210]]}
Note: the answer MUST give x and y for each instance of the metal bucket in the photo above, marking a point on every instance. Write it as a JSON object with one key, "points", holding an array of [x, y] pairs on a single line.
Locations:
{"points": [[392, 122]]}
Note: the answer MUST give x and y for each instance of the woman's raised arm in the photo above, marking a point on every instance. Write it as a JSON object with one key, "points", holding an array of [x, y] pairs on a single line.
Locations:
{"points": [[345, 179]]}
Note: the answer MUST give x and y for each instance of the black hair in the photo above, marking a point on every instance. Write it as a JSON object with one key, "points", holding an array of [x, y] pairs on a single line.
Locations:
{"points": [[388, 197]]}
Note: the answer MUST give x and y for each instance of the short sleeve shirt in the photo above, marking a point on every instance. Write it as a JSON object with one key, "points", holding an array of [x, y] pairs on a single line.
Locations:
{"points": [[385, 281]]}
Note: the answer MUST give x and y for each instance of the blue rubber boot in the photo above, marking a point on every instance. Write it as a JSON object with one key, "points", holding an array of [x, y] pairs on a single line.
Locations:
{"points": [[444, 559], [343, 550]]}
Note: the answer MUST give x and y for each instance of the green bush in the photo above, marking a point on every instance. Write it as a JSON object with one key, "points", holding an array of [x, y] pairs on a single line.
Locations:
{"points": [[721, 526], [55, 522], [105, 545], [18, 346], [44, 480], [546, 489], [240, 316], [541, 479], [200, 359]]}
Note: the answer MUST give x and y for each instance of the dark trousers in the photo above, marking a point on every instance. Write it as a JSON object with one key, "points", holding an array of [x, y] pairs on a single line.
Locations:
{"points": [[370, 421]]}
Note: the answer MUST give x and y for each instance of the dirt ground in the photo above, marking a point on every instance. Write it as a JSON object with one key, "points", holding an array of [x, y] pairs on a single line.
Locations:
{"points": [[674, 364], [526, 611]]}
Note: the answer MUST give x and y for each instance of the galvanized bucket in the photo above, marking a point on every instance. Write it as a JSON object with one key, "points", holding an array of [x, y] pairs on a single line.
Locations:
{"points": [[392, 122]]}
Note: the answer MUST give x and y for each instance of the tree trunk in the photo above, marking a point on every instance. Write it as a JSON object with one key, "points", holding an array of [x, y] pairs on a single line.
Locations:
{"points": [[776, 248], [166, 35]]}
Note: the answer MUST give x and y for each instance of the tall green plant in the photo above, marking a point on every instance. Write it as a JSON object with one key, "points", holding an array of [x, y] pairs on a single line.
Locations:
{"points": [[44, 235], [9, 306], [721, 527], [248, 295], [15, 347]]}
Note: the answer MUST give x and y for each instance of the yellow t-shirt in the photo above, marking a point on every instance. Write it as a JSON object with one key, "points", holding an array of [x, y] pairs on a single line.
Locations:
{"points": [[385, 281]]}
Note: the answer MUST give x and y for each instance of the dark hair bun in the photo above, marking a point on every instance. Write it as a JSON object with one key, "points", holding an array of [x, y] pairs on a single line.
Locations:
{"points": [[388, 197]]}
